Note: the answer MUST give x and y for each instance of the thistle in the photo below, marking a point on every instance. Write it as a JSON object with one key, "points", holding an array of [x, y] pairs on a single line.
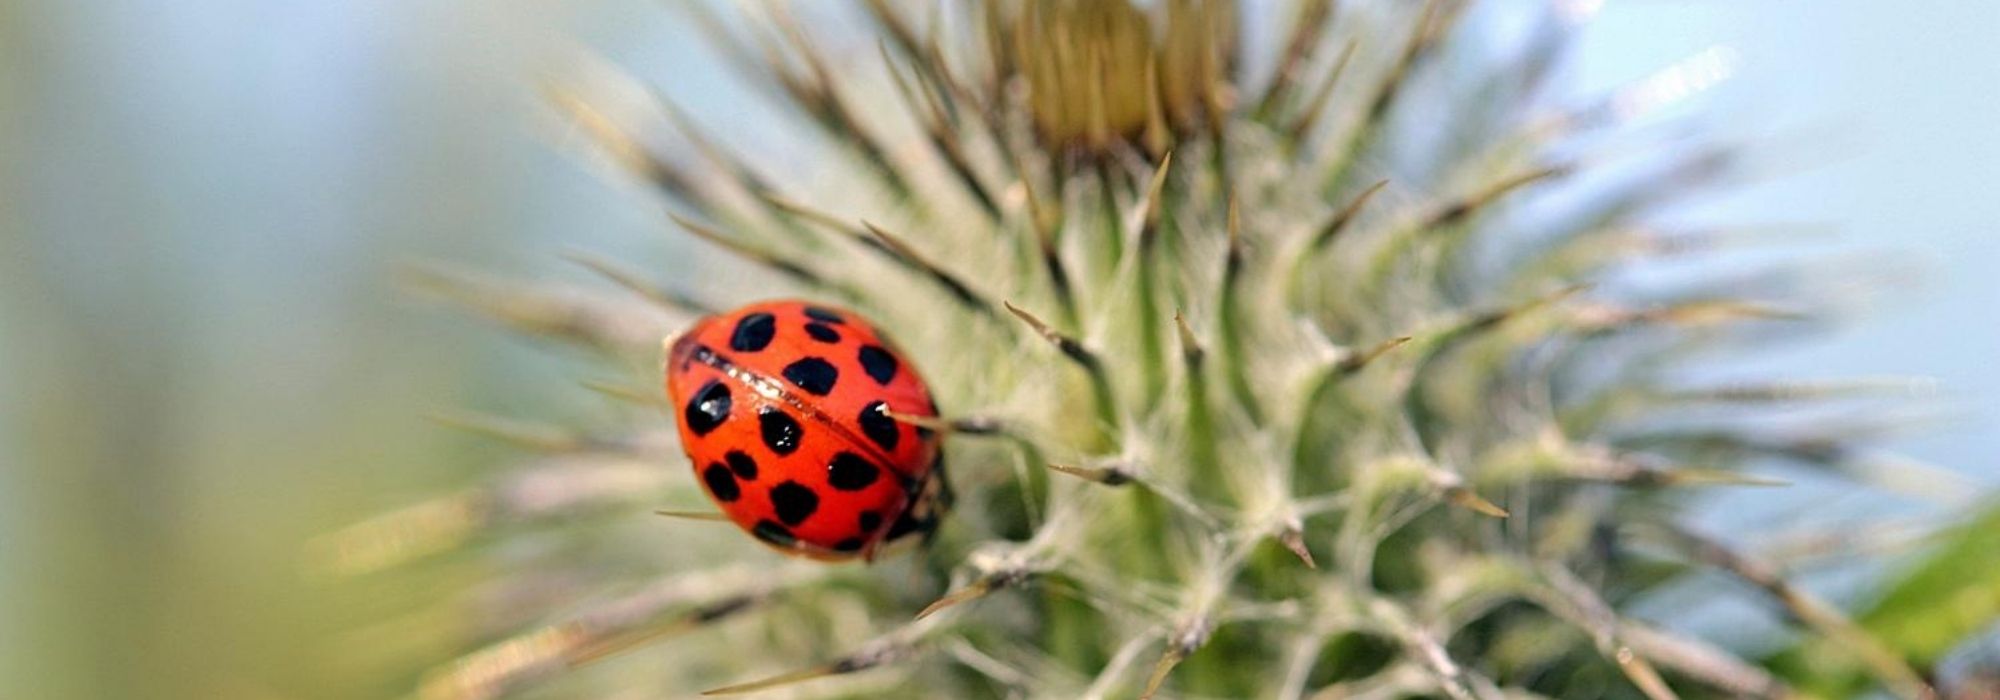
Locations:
{"points": [[1288, 365]]}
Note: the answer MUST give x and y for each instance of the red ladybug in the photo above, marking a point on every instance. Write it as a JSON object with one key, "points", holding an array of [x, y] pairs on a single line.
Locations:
{"points": [[781, 407]]}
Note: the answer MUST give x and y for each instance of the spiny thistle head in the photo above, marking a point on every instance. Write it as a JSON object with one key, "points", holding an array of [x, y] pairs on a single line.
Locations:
{"points": [[1314, 382]]}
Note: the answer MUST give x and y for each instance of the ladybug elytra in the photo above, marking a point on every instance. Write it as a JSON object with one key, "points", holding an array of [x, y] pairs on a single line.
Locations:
{"points": [[785, 411]]}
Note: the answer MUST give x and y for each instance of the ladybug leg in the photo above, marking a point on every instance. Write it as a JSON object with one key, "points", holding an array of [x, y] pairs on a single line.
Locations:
{"points": [[928, 502], [944, 497], [929, 499], [782, 540], [938, 498]]}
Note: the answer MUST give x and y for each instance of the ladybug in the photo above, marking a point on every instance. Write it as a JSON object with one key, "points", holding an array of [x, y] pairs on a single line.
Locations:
{"points": [[785, 412]]}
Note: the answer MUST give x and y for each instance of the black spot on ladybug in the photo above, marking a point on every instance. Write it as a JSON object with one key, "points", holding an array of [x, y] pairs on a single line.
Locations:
{"points": [[781, 433], [824, 315], [773, 533], [879, 427], [849, 472], [793, 502], [870, 520], [812, 374], [744, 467], [708, 408], [822, 332], [878, 363], [851, 544], [720, 483], [753, 332]]}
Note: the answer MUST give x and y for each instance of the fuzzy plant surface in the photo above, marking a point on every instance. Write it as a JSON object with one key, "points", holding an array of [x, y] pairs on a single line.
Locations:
{"points": [[1298, 358]]}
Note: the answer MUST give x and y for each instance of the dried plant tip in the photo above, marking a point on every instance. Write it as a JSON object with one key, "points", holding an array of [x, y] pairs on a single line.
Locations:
{"points": [[1234, 226], [1634, 471], [1069, 346], [1358, 361], [819, 96], [546, 438], [1109, 476], [630, 280], [617, 144], [737, 170], [1189, 637], [1293, 536], [1322, 96], [750, 252], [969, 425], [1459, 210], [626, 392], [1230, 320], [490, 672], [799, 676], [894, 25], [1715, 477], [958, 288], [1806, 391], [1308, 29], [1464, 498], [933, 116], [1191, 350], [831, 222], [399, 536], [1496, 317], [702, 615], [1690, 314], [536, 311], [875, 655], [1154, 204], [980, 588], [1345, 216], [1173, 657], [704, 515]]}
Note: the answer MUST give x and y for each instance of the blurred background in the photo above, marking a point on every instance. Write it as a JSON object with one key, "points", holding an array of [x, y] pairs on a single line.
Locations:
{"points": [[204, 360]]}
